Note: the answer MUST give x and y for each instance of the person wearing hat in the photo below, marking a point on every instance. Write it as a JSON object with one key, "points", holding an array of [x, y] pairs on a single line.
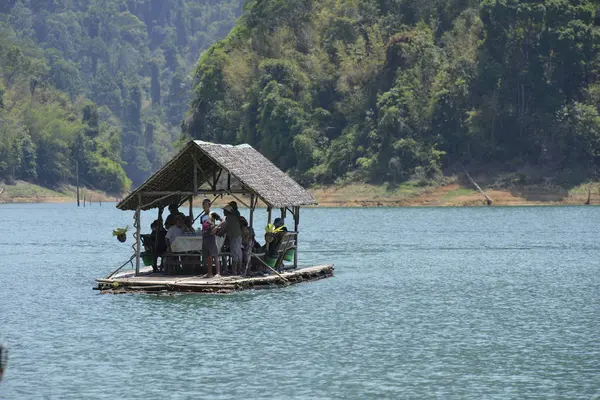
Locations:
{"points": [[232, 228], [234, 205], [279, 223]]}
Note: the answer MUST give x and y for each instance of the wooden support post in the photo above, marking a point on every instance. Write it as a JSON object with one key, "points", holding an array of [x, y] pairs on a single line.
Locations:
{"points": [[252, 210], [138, 243], [296, 223], [77, 175], [195, 187], [158, 229], [213, 185], [267, 244], [239, 200]]}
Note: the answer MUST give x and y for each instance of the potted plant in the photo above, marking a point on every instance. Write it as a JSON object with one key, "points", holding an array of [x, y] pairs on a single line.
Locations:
{"points": [[121, 233]]}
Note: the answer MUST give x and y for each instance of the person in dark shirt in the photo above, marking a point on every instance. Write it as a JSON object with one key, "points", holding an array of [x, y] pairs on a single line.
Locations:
{"points": [[275, 237], [162, 241], [174, 211], [234, 205], [150, 241], [232, 228], [154, 245]]}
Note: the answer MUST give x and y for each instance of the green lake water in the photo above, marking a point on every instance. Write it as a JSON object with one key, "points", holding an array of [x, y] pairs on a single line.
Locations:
{"points": [[426, 303]]}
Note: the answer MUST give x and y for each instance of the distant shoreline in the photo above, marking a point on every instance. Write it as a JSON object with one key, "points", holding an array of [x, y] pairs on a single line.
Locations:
{"points": [[24, 192], [356, 195]]}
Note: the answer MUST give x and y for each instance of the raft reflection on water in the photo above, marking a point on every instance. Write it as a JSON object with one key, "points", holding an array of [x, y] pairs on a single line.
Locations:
{"points": [[3, 361]]}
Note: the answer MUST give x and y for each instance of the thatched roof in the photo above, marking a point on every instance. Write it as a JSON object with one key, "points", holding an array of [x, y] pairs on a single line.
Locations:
{"points": [[220, 168]]}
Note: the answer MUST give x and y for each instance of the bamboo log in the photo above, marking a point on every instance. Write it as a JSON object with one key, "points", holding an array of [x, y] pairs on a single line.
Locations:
{"points": [[196, 287], [587, 203], [271, 268], [149, 287], [118, 269], [487, 198]]}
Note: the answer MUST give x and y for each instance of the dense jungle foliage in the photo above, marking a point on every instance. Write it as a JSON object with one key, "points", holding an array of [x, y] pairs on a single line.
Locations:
{"points": [[103, 84], [389, 90]]}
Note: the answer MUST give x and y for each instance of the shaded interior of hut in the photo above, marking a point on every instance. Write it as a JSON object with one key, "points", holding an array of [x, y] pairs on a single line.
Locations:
{"points": [[217, 242]]}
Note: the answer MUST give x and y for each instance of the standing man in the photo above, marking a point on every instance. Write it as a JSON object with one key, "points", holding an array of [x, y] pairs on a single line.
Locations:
{"points": [[234, 234]]}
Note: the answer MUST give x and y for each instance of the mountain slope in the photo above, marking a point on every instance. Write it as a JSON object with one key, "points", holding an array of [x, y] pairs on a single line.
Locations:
{"points": [[390, 90], [115, 73]]}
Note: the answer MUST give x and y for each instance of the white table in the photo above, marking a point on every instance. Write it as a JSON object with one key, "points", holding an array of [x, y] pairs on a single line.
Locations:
{"points": [[186, 244]]}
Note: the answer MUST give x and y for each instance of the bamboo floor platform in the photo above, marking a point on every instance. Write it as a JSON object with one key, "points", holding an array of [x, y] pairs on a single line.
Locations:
{"points": [[148, 282]]}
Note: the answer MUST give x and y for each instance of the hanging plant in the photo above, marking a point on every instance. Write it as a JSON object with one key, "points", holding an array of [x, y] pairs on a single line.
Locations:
{"points": [[121, 233]]}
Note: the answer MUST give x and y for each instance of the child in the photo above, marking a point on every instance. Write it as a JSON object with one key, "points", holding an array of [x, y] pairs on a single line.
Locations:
{"points": [[189, 229]]}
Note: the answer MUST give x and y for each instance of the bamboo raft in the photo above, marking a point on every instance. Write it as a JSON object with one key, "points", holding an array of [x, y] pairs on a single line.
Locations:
{"points": [[148, 282]]}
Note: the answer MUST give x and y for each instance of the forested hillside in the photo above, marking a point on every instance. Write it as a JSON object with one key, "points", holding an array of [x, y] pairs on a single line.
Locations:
{"points": [[389, 90], [101, 83]]}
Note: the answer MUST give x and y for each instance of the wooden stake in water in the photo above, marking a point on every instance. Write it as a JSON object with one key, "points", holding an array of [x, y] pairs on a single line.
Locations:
{"points": [[77, 175]]}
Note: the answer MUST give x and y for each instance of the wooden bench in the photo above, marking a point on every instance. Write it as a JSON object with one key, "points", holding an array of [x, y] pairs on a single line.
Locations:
{"points": [[182, 263]]}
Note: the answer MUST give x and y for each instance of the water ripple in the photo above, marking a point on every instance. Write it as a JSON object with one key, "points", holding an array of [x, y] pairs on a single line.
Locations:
{"points": [[426, 303]]}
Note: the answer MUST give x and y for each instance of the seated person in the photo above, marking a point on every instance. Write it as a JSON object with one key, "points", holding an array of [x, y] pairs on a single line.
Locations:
{"points": [[174, 211], [150, 240], [155, 241], [189, 229], [274, 238], [175, 230]]}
